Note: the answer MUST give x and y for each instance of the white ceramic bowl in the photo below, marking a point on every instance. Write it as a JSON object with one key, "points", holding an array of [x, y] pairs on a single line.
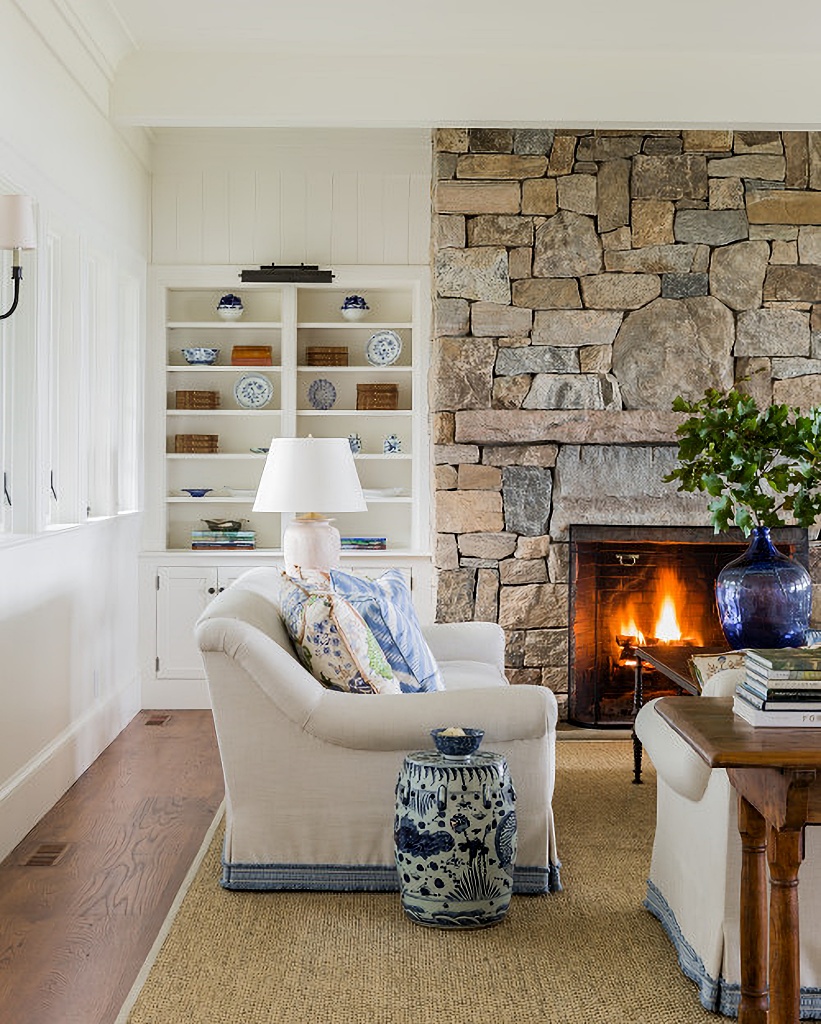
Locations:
{"points": [[354, 313]]}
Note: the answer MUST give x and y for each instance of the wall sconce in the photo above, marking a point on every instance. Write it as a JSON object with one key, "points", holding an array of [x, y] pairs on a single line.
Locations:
{"points": [[16, 232]]}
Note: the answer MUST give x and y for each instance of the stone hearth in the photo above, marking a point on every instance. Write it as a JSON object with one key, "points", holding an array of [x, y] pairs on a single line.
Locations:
{"points": [[582, 280]]}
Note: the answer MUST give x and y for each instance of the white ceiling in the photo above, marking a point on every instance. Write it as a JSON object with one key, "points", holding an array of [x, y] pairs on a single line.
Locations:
{"points": [[469, 26], [401, 63]]}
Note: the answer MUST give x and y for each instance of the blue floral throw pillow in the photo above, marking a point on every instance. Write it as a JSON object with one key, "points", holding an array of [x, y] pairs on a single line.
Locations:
{"points": [[332, 639], [386, 605]]}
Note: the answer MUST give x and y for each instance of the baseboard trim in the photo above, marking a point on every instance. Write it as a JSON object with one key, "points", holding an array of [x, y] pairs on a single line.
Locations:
{"points": [[35, 787], [176, 694]]}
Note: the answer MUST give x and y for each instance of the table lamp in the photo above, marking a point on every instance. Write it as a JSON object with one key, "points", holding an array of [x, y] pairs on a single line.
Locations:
{"points": [[310, 476]]}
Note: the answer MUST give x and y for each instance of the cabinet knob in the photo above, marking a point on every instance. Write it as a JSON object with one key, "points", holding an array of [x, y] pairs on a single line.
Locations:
{"points": [[212, 590], [220, 589]]}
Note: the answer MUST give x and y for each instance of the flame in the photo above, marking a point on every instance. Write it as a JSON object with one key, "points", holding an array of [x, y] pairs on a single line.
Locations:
{"points": [[670, 600], [629, 628], [670, 595], [667, 627]]}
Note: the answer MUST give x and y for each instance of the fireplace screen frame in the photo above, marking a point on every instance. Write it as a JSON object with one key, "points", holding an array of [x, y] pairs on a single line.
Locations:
{"points": [[587, 706]]}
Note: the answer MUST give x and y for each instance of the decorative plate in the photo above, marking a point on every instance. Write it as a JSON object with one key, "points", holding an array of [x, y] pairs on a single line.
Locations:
{"points": [[321, 394], [253, 391], [383, 348]]}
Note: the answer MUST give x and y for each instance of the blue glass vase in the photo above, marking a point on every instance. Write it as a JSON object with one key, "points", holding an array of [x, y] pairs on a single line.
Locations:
{"points": [[764, 597]]}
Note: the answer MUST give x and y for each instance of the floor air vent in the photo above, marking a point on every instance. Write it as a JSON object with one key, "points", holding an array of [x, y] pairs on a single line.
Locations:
{"points": [[157, 719], [46, 855]]}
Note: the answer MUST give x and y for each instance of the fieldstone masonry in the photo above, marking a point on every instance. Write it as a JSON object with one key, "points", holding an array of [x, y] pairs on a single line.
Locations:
{"points": [[582, 280]]}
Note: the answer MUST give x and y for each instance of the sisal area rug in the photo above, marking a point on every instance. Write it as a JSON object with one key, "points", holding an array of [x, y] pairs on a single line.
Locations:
{"points": [[589, 955]]}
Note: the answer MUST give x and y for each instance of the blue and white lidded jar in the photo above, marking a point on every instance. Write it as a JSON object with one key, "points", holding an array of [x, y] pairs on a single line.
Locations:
{"points": [[230, 307], [392, 445], [354, 307], [455, 839], [355, 441]]}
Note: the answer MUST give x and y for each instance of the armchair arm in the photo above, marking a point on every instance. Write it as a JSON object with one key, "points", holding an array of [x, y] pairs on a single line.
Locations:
{"points": [[675, 760], [467, 641], [403, 721]]}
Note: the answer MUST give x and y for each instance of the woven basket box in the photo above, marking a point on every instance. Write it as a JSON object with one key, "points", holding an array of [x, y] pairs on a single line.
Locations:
{"points": [[377, 396], [193, 444], [251, 355], [326, 355], [197, 399]]}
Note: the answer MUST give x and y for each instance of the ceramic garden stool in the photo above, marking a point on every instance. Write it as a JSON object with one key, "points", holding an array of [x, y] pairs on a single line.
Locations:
{"points": [[455, 837]]}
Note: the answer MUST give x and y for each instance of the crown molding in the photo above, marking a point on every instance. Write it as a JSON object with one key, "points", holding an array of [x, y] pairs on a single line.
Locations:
{"points": [[89, 45]]}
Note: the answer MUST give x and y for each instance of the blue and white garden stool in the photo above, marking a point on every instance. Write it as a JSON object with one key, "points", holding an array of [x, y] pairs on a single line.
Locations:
{"points": [[455, 838]]}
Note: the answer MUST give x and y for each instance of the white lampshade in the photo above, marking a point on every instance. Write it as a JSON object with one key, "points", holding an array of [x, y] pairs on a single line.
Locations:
{"points": [[17, 229], [310, 474]]}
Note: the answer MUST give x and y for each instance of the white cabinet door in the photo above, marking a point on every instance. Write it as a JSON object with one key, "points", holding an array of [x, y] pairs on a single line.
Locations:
{"points": [[182, 594]]}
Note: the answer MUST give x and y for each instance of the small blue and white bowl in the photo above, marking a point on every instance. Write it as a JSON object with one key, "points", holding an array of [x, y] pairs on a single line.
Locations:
{"points": [[197, 492], [200, 356], [230, 307], [354, 307], [457, 746]]}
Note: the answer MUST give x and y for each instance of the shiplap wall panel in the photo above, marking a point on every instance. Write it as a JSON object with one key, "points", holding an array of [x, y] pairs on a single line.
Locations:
{"points": [[164, 222], [372, 227], [316, 197], [294, 203], [190, 220], [395, 198], [344, 215], [318, 221], [217, 215], [242, 214], [268, 219], [419, 218]]}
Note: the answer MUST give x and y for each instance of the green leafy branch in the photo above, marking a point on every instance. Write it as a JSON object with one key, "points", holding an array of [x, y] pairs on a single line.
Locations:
{"points": [[759, 467]]}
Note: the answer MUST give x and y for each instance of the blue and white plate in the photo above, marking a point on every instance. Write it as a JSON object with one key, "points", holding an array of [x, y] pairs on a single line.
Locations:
{"points": [[321, 394], [253, 391], [383, 348]]}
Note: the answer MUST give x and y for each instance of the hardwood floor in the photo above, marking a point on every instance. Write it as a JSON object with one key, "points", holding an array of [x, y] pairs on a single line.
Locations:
{"points": [[73, 935]]}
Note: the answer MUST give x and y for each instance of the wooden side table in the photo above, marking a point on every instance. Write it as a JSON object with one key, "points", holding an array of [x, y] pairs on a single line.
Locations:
{"points": [[776, 775]]}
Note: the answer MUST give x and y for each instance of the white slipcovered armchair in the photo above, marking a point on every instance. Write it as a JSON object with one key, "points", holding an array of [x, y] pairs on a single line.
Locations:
{"points": [[310, 772], [695, 872]]}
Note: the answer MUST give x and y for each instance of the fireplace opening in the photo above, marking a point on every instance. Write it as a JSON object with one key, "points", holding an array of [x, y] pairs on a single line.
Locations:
{"points": [[652, 587]]}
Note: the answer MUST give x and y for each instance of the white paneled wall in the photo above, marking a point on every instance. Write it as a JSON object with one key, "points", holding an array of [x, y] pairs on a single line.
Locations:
{"points": [[71, 365], [252, 197]]}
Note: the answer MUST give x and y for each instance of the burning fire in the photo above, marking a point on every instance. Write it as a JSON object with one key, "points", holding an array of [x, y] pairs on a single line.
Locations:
{"points": [[670, 595], [629, 628]]}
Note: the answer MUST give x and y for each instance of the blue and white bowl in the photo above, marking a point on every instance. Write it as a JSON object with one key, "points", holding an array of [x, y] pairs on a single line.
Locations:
{"points": [[200, 355], [230, 307], [457, 746], [354, 307]]}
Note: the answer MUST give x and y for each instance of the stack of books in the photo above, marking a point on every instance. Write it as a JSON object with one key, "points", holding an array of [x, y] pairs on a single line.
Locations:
{"points": [[221, 540], [781, 687], [363, 544]]}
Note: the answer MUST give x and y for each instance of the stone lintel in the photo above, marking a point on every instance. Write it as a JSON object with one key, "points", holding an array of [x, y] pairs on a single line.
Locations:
{"points": [[566, 426]]}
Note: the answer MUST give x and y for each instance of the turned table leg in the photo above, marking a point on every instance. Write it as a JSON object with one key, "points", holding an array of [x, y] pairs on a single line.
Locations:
{"points": [[753, 926], [785, 851]]}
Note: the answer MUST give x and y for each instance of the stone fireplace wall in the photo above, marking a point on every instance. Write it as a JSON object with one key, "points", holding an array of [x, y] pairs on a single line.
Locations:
{"points": [[582, 280]]}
